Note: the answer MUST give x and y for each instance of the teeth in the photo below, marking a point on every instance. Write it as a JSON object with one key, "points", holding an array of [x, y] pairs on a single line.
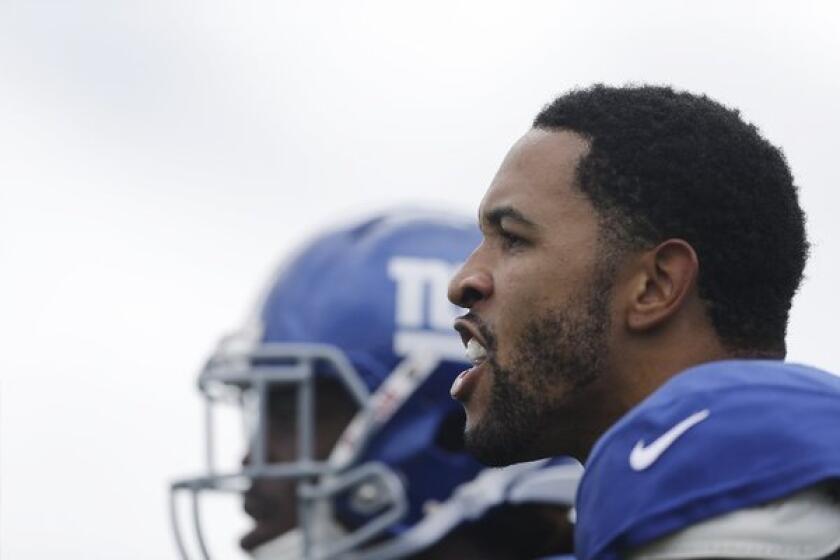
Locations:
{"points": [[475, 352]]}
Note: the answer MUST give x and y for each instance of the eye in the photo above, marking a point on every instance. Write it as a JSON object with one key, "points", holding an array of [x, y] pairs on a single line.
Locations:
{"points": [[511, 240]]}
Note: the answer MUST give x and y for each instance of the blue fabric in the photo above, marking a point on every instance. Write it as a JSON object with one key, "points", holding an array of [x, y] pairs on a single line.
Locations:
{"points": [[772, 429]]}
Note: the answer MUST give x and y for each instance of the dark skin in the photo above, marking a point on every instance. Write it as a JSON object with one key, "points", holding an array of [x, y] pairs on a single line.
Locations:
{"points": [[273, 502], [542, 245], [509, 533]]}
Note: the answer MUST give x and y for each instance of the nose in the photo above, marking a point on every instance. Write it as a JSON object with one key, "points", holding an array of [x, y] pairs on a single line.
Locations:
{"points": [[470, 285]]}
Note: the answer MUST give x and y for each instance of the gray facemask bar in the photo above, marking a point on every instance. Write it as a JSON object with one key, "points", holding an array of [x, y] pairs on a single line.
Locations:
{"points": [[234, 370], [378, 474]]}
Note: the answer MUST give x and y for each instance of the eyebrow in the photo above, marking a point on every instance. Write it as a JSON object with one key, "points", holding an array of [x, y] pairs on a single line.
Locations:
{"points": [[495, 216]]}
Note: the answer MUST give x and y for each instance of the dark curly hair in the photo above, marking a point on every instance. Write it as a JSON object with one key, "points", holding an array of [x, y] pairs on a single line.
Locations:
{"points": [[667, 164]]}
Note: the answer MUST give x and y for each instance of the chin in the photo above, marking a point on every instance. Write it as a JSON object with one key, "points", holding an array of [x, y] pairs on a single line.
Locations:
{"points": [[493, 447], [262, 533], [472, 423]]}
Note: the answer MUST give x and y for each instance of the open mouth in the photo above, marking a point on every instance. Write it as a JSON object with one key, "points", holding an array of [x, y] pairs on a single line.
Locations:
{"points": [[476, 353]]}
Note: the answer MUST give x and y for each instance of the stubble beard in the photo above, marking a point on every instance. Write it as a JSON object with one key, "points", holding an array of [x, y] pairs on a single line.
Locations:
{"points": [[557, 355]]}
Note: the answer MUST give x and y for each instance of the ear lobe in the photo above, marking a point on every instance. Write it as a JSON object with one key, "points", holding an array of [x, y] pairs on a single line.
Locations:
{"points": [[668, 273]]}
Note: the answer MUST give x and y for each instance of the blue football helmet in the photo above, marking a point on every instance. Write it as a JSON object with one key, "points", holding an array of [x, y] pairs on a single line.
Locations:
{"points": [[364, 306]]}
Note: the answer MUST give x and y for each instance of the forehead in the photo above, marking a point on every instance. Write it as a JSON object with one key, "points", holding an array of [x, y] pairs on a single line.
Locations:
{"points": [[537, 177]]}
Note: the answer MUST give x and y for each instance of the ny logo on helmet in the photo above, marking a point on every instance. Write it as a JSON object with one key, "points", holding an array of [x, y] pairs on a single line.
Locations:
{"points": [[424, 316]]}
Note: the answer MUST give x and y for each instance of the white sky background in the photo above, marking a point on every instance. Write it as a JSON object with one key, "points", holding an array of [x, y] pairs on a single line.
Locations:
{"points": [[157, 157]]}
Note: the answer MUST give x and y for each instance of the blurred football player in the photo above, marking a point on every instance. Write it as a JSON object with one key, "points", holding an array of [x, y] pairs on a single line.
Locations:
{"points": [[628, 306], [356, 450]]}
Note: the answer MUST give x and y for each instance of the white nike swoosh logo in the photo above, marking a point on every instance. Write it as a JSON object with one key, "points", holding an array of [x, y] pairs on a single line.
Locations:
{"points": [[644, 456]]}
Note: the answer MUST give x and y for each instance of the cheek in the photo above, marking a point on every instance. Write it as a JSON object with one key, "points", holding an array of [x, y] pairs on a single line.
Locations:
{"points": [[552, 283], [514, 290], [327, 437], [516, 304], [282, 444], [524, 295]]}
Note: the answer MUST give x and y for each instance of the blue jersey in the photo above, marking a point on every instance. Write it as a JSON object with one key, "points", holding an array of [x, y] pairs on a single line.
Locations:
{"points": [[716, 438]]}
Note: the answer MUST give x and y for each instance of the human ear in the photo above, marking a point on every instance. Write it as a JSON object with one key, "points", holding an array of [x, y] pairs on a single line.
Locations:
{"points": [[665, 277]]}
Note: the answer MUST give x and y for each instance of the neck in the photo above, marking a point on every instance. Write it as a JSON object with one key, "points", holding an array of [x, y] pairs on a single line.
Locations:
{"points": [[639, 367]]}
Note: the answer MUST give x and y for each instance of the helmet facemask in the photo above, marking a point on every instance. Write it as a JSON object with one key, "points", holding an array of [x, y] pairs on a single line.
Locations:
{"points": [[277, 388]]}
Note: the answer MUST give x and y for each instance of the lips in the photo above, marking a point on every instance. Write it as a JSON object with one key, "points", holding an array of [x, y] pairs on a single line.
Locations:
{"points": [[476, 352], [258, 508], [468, 329]]}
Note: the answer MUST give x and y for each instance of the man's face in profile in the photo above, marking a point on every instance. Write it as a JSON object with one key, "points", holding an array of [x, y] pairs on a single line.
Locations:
{"points": [[538, 294], [272, 502]]}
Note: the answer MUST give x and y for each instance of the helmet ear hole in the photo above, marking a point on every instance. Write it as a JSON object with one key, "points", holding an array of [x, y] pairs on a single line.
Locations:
{"points": [[450, 434]]}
